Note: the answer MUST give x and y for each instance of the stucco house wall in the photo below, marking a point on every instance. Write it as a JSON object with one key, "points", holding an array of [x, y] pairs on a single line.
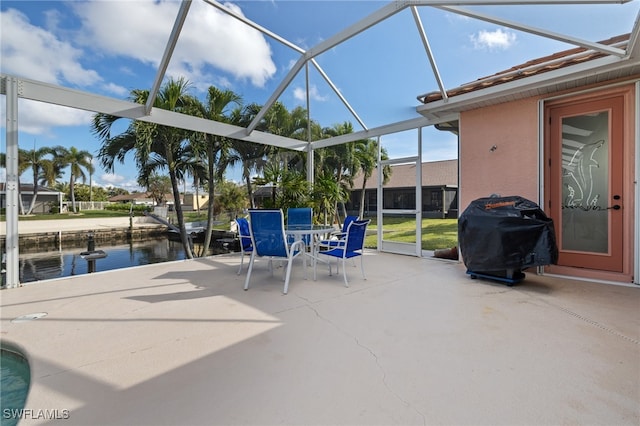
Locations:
{"points": [[499, 151]]}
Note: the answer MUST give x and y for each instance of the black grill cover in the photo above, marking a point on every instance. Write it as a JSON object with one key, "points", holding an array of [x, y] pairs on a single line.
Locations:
{"points": [[503, 233]]}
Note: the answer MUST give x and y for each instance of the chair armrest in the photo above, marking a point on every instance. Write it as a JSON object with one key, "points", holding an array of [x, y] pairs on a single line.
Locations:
{"points": [[331, 243], [296, 248]]}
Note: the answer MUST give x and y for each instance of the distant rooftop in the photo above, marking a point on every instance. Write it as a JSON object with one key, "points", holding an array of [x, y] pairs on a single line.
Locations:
{"points": [[434, 173]]}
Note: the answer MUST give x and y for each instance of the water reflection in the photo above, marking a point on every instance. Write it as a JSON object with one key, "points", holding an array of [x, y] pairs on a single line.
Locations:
{"points": [[51, 262]]}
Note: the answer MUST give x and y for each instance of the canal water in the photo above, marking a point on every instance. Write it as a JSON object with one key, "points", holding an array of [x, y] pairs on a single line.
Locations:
{"points": [[52, 262]]}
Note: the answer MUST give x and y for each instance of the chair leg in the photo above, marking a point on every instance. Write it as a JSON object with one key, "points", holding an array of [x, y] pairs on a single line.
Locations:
{"points": [[288, 275], [246, 281], [241, 261], [344, 272], [304, 265], [362, 266], [315, 251]]}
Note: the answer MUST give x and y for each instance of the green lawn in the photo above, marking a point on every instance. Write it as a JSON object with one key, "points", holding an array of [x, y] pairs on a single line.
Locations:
{"points": [[436, 233]]}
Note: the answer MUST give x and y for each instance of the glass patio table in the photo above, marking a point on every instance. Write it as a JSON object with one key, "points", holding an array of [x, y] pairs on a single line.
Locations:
{"points": [[315, 232]]}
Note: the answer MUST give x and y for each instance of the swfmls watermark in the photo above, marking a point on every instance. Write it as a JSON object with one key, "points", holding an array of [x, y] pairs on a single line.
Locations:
{"points": [[35, 414]]}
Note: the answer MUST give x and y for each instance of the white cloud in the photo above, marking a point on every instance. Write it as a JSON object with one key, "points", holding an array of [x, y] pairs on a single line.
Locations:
{"points": [[131, 186], [299, 93], [112, 179], [37, 118], [141, 29], [32, 52], [116, 89], [456, 17], [493, 40], [136, 29]]}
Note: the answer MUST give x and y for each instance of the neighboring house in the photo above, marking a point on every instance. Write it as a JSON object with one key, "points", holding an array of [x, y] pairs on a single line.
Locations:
{"points": [[191, 202], [439, 190], [136, 198], [262, 194], [46, 198], [557, 132]]}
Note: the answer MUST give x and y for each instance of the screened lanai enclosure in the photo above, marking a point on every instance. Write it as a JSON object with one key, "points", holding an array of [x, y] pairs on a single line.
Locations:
{"points": [[372, 65]]}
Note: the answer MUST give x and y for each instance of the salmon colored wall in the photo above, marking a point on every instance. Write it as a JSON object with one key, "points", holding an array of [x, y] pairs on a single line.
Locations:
{"points": [[512, 168]]}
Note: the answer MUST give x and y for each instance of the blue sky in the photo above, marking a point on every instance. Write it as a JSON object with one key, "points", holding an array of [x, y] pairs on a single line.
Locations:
{"points": [[112, 47]]}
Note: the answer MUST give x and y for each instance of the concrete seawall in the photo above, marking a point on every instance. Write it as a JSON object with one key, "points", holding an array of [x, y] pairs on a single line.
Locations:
{"points": [[70, 232]]}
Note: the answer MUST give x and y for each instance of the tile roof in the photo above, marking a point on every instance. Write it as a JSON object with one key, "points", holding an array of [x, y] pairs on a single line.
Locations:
{"points": [[530, 68], [434, 173]]}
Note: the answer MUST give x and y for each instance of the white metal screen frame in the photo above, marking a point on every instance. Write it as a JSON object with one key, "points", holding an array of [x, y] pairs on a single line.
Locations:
{"points": [[395, 246]]}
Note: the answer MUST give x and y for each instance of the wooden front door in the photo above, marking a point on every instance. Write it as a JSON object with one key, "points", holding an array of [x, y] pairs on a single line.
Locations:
{"points": [[584, 181]]}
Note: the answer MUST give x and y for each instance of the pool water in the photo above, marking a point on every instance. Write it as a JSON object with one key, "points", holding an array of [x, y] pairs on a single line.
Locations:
{"points": [[15, 378]]}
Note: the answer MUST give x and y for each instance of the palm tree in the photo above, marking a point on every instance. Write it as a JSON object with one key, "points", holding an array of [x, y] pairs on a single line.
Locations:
{"points": [[155, 146], [341, 161], [290, 188], [326, 194], [279, 121], [78, 161], [295, 189], [51, 171], [216, 148], [367, 155], [250, 155], [39, 164], [271, 175], [274, 163]]}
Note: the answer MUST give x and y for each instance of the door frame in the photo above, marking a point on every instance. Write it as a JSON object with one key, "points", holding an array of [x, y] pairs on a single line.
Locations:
{"points": [[555, 115], [631, 190], [636, 267]]}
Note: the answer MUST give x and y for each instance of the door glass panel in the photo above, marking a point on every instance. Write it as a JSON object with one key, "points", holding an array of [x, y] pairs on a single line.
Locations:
{"points": [[585, 183]]}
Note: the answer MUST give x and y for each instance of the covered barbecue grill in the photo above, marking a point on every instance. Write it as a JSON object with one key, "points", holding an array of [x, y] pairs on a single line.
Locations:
{"points": [[499, 237]]}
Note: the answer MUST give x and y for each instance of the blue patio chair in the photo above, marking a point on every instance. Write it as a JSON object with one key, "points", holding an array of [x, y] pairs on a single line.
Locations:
{"points": [[353, 246], [244, 235], [300, 216], [269, 240], [337, 238]]}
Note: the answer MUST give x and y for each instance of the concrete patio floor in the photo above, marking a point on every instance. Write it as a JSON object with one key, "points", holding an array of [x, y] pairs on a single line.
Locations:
{"points": [[418, 343]]}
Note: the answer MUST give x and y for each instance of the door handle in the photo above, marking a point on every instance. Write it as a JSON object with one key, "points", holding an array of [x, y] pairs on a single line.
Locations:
{"points": [[616, 206]]}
